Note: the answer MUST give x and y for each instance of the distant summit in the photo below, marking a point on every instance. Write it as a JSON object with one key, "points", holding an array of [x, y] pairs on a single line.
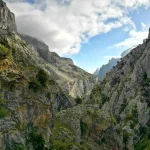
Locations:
{"points": [[7, 19], [101, 73], [96, 72]]}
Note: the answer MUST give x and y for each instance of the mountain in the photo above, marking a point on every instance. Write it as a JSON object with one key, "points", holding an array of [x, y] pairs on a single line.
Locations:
{"points": [[124, 94], [106, 68], [72, 79], [34, 84], [96, 72], [124, 53], [37, 114], [117, 116], [101, 73]]}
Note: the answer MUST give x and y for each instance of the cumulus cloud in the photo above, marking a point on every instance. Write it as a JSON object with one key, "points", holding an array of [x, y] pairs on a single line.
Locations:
{"points": [[135, 37], [65, 24]]}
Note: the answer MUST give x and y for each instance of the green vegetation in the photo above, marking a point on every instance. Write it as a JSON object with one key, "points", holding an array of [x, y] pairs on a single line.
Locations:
{"points": [[84, 128], [115, 81], [18, 147], [34, 85], [64, 142], [3, 110], [144, 143], [126, 136], [145, 83], [78, 100], [5, 52], [42, 77], [104, 98], [37, 140], [40, 81]]}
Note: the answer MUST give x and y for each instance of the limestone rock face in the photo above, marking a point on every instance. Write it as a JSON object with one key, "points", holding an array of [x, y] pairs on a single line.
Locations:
{"points": [[96, 72], [101, 73], [106, 68], [72, 79], [7, 19], [125, 94]]}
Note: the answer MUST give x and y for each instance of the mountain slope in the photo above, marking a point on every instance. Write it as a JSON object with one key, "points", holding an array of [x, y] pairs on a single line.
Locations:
{"points": [[124, 93], [106, 68], [101, 73], [73, 80], [29, 96], [117, 116]]}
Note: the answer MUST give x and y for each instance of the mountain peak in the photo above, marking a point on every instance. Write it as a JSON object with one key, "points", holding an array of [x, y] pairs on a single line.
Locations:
{"points": [[2, 3], [7, 23]]}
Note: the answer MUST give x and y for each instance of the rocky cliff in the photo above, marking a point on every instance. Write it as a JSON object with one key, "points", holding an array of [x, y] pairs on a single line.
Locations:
{"points": [[124, 94], [34, 84], [101, 73], [36, 114], [7, 19], [106, 68], [96, 72], [117, 115], [73, 80], [29, 96]]}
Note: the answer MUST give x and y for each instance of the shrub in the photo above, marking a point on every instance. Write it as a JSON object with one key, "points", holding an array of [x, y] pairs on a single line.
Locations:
{"points": [[78, 100], [104, 98], [115, 81], [37, 140], [35, 85], [39, 82], [142, 130], [3, 51], [126, 136], [145, 76], [84, 128], [3, 110], [42, 77]]}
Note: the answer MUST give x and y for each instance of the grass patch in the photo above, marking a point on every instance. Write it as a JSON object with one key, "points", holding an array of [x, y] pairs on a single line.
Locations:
{"points": [[5, 52]]}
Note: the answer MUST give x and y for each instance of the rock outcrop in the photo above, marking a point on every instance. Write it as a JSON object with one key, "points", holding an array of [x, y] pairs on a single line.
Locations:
{"points": [[96, 72], [72, 79], [7, 19], [125, 94], [106, 68], [101, 73], [34, 84]]}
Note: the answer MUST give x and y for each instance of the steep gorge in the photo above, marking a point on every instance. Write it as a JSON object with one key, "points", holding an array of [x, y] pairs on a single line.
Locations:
{"points": [[36, 91]]}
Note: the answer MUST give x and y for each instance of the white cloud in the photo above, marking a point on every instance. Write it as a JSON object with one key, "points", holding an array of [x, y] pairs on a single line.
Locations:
{"points": [[135, 37], [65, 24]]}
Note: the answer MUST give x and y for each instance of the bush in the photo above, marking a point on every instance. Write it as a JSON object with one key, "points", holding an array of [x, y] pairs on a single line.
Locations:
{"points": [[40, 81], [42, 77], [142, 130], [78, 100], [4, 51], [126, 136], [104, 98], [37, 140], [3, 110], [35, 85], [84, 128], [115, 81]]}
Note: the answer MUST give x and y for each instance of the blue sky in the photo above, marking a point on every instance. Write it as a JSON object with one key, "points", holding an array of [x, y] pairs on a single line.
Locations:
{"points": [[90, 32], [92, 54]]}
